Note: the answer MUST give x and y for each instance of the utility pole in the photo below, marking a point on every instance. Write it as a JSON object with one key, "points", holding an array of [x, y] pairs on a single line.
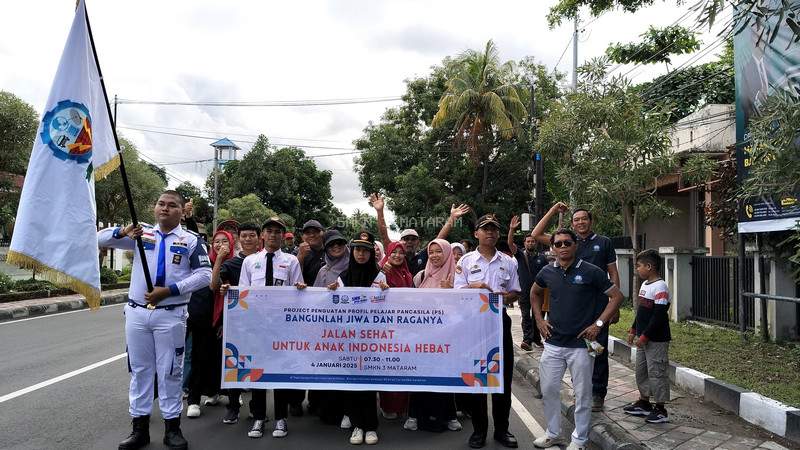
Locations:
{"points": [[538, 167], [575, 54], [216, 185]]}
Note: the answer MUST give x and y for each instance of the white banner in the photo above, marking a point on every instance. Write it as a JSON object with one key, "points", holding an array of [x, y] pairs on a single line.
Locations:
{"points": [[437, 340]]}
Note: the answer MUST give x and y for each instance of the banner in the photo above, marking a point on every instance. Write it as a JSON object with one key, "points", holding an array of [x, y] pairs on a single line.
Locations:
{"points": [[55, 230], [437, 340], [762, 68]]}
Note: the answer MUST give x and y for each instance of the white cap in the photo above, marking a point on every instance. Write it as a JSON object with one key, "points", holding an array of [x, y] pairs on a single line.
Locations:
{"points": [[409, 232]]}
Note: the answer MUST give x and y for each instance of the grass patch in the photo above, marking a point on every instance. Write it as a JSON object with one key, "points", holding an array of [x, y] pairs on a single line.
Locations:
{"points": [[767, 368]]}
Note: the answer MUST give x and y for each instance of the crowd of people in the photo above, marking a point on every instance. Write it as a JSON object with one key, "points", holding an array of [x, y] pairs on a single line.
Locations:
{"points": [[566, 285]]}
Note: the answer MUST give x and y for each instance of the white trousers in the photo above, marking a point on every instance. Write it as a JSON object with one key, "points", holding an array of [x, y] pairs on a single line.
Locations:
{"points": [[552, 366], [155, 340]]}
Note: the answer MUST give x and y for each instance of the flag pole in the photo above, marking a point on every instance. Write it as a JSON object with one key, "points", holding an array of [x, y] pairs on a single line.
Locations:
{"points": [[123, 174]]}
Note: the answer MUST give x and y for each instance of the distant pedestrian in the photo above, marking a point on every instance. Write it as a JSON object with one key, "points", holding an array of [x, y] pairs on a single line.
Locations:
{"points": [[651, 335]]}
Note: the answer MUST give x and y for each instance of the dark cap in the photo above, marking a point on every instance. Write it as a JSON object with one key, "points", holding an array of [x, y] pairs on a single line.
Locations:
{"points": [[487, 219], [313, 224], [274, 220], [363, 239], [332, 236], [230, 223]]}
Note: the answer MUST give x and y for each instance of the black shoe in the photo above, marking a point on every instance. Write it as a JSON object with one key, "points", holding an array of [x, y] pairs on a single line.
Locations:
{"points": [[597, 403], [173, 438], [296, 410], [477, 440], [658, 415], [638, 408], [231, 416], [506, 439], [140, 436]]}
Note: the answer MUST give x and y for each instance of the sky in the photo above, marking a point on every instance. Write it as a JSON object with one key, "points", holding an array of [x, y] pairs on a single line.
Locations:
{"points": [[247, 51]]}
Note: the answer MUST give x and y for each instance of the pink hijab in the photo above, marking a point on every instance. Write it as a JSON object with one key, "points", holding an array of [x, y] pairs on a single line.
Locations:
{"points": [[434, 275]]}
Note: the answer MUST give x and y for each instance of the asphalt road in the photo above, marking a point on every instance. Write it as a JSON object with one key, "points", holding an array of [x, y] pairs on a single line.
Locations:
{"points": [[62, 388]]}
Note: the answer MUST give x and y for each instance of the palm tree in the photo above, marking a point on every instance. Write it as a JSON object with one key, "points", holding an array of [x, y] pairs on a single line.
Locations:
{"points": [[482, 104]]}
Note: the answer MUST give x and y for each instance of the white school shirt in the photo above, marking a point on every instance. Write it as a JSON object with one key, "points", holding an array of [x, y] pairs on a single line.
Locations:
{"points": [[285, 269], [499, 273]]}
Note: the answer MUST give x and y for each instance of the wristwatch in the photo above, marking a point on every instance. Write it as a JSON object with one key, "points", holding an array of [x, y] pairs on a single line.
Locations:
{"points": [[599, 323]]}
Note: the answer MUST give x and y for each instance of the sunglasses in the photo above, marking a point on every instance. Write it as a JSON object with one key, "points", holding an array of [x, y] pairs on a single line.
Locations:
{"points": [[559, 244]]}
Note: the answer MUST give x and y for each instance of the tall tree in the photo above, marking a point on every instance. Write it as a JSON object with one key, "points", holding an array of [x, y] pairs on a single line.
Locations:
{"points": [[202, 210], [248, 208], [656, 46], [18, 124], [484, 106]]}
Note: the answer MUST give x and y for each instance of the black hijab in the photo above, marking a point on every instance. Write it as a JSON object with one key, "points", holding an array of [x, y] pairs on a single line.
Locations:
{"points": [[360, 275]]}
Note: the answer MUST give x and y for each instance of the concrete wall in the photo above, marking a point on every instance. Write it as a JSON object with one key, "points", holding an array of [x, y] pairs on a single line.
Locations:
{"points": [[676, 231]]}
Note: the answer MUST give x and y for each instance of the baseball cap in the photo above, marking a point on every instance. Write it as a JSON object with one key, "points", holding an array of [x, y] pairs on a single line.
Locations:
{"points": [[363, 239], [312, 224], [332, 236], [409, 232], [274, 220], [487, 219]]}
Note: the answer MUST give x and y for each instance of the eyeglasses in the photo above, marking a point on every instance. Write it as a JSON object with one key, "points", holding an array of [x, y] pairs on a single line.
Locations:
{"points": [[559, 244]]}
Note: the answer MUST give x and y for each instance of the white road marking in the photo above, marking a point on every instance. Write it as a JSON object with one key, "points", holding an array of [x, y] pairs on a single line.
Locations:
{"points": [[528, 419], [45, 316], [46, 383]]}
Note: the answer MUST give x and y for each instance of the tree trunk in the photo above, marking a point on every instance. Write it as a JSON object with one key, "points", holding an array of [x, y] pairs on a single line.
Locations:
{"points": [[485, 179]]}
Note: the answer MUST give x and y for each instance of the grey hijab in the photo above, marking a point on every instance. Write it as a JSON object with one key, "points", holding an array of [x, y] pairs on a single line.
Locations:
{"points": [[329, 273]]}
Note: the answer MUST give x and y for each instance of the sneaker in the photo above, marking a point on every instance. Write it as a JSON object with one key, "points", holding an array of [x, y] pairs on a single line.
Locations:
{"points": [[231, 416], [454, 425], [193, 411], [357, 438], [212, 401], [371, 438], [411, 424], [597, 403], [545, 442], [525, 346], [638, 408], [389, 415], [574, 446], [657, 415], [345, 424], [257, 431], [281, 430]]}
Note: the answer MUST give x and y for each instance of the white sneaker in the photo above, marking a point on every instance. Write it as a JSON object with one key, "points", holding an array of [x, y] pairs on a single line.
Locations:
{"points": [[371, 438], [574, 446], [212, 401], [389, 415], [281, 429], [357, 438], [454, 425], [345, 424], [411, 424], [258, 429], [545, 442], [193, 411]]}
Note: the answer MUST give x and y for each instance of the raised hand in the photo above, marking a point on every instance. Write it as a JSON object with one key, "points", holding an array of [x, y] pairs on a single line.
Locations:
{"points": [[514, 223], [458, 211], [376, 200]]}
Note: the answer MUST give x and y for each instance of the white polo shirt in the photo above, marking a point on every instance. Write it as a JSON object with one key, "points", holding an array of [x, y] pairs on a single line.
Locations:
{"points": [[499, 273]]}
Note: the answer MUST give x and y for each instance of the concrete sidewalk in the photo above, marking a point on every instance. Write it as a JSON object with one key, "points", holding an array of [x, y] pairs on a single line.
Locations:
{"points": [[41, 306], [694, 424]]}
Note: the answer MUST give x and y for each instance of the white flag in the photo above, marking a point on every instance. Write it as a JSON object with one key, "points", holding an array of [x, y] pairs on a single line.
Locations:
{"points": [[55, 230]]}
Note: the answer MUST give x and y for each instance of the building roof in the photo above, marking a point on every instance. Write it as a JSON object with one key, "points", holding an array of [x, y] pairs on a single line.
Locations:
{"points": [[225, 143]]}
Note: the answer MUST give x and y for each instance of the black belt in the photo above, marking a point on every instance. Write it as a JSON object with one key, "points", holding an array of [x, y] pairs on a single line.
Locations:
{"points": [[133, 304]]}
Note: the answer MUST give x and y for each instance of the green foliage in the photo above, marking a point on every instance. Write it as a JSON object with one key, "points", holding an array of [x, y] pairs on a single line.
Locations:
{"points": [[656, 46], [248, 208], [6, 283], [145, 184], [792, 244], [359, 220], [107, 276], [416, 165], [31, 285], [125, 274], [284, 179], [202, 210], [620, 147], [568, 9], [765, 17], [18, 124]]}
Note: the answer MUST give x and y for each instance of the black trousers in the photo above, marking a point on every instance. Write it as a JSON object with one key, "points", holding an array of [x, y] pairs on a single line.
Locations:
{"points": [[436, 404], [258, 404], [362, 408], [530, 333], [206, 362], [600, 373], [282, 399], [501, 403]]}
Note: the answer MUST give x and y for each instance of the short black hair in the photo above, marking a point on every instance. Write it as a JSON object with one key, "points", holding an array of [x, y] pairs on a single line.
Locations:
{"points": [[175, 194], [650, 256], [588, 213], [563, 231], [248, 227]]}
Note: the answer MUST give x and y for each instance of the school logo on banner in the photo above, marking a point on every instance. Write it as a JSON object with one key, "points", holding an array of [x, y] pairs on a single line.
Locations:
{"points": [[67, 131]]}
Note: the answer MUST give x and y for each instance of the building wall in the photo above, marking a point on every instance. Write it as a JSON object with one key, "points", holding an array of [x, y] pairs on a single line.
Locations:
{"points": [[676, 231]]}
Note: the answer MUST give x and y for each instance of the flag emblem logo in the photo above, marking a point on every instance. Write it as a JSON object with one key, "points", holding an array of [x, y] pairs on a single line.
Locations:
{"points": [[67, 131]]}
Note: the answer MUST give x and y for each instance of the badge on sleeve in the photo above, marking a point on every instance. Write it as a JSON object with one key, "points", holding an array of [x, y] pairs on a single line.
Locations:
{"points": [[459, 269], [176, 259]]}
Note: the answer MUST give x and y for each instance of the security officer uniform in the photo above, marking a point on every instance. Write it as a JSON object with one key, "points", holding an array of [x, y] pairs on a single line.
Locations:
{"points": [[155, 335], [500, 274]]}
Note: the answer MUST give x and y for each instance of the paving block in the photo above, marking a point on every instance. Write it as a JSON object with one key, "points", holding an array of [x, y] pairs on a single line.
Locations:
{"points": [[724, 395]]}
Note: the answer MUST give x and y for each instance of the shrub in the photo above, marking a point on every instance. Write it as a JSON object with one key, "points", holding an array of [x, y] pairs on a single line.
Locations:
{"points": [[107, 276], [6, 283], [31, 284]]}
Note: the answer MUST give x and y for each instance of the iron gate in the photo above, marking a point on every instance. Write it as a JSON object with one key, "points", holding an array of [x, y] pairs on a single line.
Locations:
{"points": [[715, 290]]}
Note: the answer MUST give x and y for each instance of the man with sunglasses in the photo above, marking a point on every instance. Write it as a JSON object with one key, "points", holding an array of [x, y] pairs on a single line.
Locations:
{"points": [[576, 292], [598, 250]]}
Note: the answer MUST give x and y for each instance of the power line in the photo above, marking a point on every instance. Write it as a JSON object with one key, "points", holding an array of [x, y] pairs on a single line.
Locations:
{"points": [[695, 58], [563, 53], [226, 133], [726, 69], [323, 102]]}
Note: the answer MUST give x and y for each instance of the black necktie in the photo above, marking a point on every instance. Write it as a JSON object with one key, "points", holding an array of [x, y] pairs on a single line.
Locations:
{"points": [[270, 280]]}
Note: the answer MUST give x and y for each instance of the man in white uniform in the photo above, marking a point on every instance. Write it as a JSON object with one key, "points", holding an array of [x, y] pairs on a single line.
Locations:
{"points": [[155, 321]]}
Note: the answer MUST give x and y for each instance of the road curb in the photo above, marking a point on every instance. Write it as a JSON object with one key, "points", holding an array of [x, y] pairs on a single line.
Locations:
{"points": [[607, 436], [59, 304]]}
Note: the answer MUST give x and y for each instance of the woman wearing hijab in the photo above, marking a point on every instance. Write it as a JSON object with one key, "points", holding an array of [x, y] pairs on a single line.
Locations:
{"points": [[362, 271], [379, 251], [458, 251], [436, 411], [206, 344]]}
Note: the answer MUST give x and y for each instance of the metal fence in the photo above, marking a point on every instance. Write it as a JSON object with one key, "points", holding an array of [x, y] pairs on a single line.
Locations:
{"points": [[715, 293]]}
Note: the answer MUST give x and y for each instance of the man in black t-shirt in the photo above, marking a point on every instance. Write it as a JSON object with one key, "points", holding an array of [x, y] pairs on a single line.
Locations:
{"points": [[529, 263]]}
